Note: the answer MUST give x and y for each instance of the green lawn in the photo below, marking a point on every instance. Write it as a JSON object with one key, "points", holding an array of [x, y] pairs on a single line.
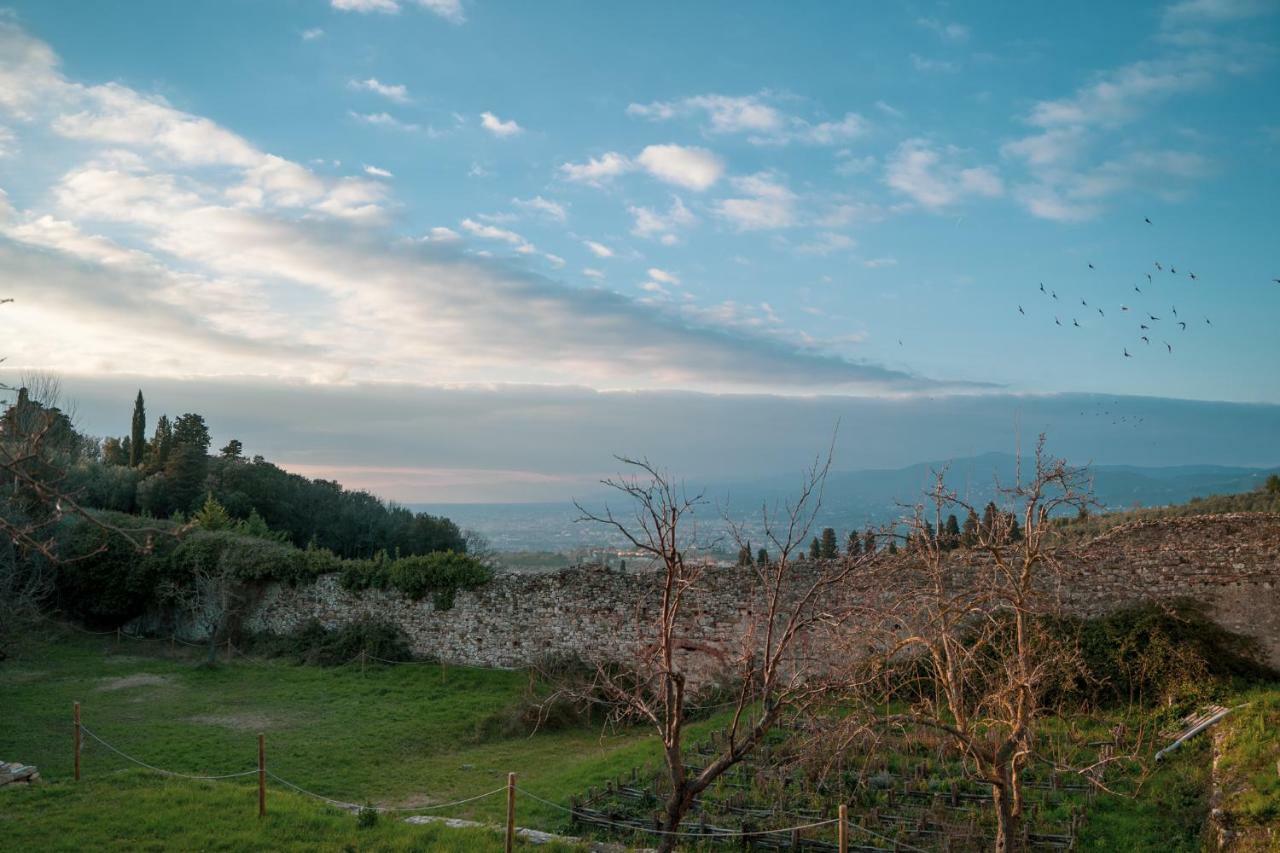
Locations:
{"points": [[396, 736], [393, 735]]}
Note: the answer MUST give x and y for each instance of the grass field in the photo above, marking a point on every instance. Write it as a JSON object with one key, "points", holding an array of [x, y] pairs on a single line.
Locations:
{"points": [[395, 736]]}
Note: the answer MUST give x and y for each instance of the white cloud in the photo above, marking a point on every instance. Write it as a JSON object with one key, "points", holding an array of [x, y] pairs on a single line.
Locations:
{"points": [[450, 10], [384, 120], [592, 272], [1121, 95], [376, 172], [552, 209], [877, 263], [950, 31], [888, 109], [662, 276], [825, 243], [441, 234], [663, 226], [1214, 11], [692, 168], [930, 66], [498, 127], [312, 34], [924, 173], [597, 170], [764, 123], [765, 204], [600, 250], [398, 93], [492, 232]]}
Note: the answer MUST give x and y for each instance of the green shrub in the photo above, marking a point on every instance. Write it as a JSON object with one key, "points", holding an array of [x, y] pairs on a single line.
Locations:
{"points": [[104, 578], [248, 557], [441, 574], [313, 643]]}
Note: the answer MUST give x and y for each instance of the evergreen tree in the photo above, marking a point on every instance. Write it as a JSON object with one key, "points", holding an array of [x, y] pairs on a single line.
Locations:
{"points": [[829, 548], [853, 547], [969, 534], [213, 515], [893, 546], [815, 549], [1015, 531], [190, 429], [138, 435], [188, 463], [869, 542], [952, 536], [161, 444], [762, 557], [233, 450], [989, 519]]}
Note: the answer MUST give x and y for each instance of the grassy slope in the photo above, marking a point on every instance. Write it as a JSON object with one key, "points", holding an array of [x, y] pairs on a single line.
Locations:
{"points": [[395, 735]]}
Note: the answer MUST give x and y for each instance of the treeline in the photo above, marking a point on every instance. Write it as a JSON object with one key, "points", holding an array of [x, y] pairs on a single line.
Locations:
{"points": [[171, 473]]}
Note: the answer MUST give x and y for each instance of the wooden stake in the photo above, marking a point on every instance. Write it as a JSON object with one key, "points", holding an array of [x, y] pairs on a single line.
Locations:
{"points": [[844, 828], [117, 636], [262, 775], [511, 812], [76, 716]]}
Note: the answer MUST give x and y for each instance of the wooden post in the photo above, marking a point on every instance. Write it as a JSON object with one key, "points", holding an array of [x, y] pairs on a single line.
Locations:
{"points": [[843, 835], [511, 812], [262, 775], [76, 716], [117, 635]]}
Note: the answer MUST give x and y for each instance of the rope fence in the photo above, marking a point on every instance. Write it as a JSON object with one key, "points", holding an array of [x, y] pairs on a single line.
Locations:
{"points": [[510, 789]]}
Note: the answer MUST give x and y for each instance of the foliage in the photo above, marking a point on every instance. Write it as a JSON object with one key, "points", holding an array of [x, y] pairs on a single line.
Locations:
{"points": [[441, 574], [1156, 652], [1249, 762], [103, 579], [313, 643]]}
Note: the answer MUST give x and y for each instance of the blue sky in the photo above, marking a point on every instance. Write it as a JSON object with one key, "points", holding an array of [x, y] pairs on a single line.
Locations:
{"points": [[776, 199]]}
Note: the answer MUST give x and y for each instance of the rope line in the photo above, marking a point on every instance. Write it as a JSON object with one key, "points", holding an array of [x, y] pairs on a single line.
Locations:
{"points": [[717, 833], [142, 763], [346, 805]]}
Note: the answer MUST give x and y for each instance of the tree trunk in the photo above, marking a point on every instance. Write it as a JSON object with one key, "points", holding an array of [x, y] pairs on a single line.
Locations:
{"points": [[678, 805], [1006, 822]]}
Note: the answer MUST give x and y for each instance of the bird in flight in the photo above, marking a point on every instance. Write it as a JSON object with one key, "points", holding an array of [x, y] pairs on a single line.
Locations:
{"points": [[1175, 310], [1124, 307], [1148, 278], [1090, 266], [1206, 322], [1138, 289], [1085, 304], [1042, 287], [1056, 320], [1153, 316], [1158, 267], [1173, 270], [1144, 327], [1193, 276], [1170, 346], [3, 301], [1020, 311], [1100, 312], [1145, 339], [1053, 293], [1075, 322], [1184, 326], [1146, 220], [1126, 352], [1276, 280]]}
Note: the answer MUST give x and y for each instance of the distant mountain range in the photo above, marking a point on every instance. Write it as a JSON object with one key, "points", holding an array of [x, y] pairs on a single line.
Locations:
{"points": [[852, 499]]}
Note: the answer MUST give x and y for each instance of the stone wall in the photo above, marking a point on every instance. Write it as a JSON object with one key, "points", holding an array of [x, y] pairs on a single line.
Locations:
{"points": [[1231, 562]]}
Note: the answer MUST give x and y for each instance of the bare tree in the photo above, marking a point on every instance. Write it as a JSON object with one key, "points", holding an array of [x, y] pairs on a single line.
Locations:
{"points": [[211, 598], [965, 645], [770, 670]]}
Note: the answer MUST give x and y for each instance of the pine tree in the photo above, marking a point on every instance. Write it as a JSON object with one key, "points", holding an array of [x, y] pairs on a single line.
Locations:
{"points": [[829, 548], [233, 450], [853, 547], [969, 534], [815, 549], [989, 519], [893, 547], [138, 435], [212, 515], [762, 557], [952, 536]]}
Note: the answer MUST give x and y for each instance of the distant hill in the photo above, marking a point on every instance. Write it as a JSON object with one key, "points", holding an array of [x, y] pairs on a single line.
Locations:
{"points": [[853, 499]]}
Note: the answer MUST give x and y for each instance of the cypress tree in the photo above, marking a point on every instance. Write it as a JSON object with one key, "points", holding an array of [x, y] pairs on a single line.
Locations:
{"points": [[829, 549], [893, 547], [161, 443], [762, 557], [138, 435], [952, 537], [969, 534], [854, 546], [815, 549]]}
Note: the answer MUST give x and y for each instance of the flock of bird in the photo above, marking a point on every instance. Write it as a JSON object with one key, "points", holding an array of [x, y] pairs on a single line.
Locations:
{"points": [[1147, 320]]}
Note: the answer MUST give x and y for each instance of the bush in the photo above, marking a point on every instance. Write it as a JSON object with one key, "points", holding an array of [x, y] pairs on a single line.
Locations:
{"points": [[248, 557], [103, 578], [440, 574], [313, 643]]}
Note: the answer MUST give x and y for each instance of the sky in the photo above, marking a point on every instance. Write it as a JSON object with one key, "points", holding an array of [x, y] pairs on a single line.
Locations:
{"points": [[533, 222]]}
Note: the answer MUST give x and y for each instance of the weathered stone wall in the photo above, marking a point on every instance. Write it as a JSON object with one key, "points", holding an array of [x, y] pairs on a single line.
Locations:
{"points": [[1232, 562]]}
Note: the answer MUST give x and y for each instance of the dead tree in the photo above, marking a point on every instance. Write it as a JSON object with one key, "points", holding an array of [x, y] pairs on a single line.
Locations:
{"points": [[964, 644], [770, 671], [211, 597]]}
